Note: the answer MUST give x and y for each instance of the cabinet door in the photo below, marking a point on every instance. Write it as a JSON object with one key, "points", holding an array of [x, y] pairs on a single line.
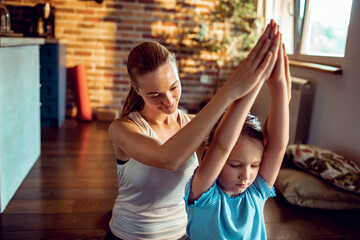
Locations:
{"points": [[53, 84], [49, 109], [49, 72], [49, 53], [49, 90]]}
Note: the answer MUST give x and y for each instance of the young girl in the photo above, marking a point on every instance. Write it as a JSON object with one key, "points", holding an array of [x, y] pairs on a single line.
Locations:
{"points": [[226, 195]]}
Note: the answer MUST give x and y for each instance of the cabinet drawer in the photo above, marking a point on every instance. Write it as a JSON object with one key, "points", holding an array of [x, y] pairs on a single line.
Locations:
{"points": [[48, 72], [49, 91], [49, 109], [49, 53]]}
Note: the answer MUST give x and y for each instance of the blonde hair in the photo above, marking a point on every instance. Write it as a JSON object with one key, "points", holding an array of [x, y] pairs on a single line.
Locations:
{"points": [[144, 58]]}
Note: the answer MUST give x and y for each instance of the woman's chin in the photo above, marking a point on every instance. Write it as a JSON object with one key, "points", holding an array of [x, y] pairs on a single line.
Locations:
{"points": [[169, 110]]}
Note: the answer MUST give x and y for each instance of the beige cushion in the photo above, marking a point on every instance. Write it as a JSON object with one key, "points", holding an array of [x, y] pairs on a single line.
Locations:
{"points": [[303, 189], [326, 164]]}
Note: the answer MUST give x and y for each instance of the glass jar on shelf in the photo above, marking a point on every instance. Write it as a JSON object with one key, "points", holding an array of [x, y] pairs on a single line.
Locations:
{"points": [[4, 19]]}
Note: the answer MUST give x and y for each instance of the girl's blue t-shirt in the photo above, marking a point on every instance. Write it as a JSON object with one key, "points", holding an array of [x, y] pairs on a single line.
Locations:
{"points": [[216, 215]]}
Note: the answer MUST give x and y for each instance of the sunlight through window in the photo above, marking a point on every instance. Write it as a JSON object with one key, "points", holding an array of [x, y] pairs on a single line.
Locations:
{"points": [[325, 28]]}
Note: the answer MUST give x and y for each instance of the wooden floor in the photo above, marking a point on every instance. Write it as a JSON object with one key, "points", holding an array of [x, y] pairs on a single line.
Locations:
{"points": [[70, 191]]}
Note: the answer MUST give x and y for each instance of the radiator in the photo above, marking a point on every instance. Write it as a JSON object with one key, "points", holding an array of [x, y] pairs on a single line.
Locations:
{"points": [[300, 108]]}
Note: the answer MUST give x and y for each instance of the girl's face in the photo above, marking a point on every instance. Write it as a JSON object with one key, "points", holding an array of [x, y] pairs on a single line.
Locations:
{"points": [[242, 166], [161, 89]]}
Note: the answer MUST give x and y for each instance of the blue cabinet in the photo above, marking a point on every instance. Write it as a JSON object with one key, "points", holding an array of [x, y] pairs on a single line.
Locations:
{"points": [[53, 84], [19, 113]]}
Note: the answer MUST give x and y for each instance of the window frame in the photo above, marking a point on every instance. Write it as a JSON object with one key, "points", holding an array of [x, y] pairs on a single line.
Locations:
{"points": [[298, 26]]}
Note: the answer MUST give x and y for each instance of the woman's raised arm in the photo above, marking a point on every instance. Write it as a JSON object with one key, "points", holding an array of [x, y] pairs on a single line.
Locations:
{"points": [[176, 150]]}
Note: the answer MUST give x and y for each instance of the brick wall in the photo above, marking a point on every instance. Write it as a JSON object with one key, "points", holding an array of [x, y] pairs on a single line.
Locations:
{"points": [[101, 35]]}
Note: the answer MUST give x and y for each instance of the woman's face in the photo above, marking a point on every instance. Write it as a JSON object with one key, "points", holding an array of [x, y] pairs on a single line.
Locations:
{"points": [[161, 89], [242, 166]]}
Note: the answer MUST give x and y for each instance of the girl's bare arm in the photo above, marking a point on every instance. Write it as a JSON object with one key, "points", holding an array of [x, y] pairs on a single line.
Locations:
{"points": [[277, 128], [226, 136]]}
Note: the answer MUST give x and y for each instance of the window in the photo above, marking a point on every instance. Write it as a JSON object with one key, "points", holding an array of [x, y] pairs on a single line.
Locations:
{"points": [[313, 30]]}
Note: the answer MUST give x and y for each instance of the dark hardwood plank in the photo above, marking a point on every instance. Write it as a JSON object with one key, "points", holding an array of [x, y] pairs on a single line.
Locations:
{"points": [[70, 182], [40, 206], [70, 192], [63, 221], [285, 221], [66, 193], [68, 234], [59, 206]]}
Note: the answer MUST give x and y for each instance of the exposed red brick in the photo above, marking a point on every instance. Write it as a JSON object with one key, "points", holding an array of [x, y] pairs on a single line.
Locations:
{"points": [[81, 53], [69, 31], [122, 25], [113, 48], [114, 5], [125, 27], [12, 1], [64, 10], [92, 19], [82, 25], [112, 75], [147, 1], [167, 23], [133, 6], [80, 11]]}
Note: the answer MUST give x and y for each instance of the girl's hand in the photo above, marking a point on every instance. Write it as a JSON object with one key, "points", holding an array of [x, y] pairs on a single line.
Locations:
{"points": [[258, 64], [278, 74], [281, 72], [287, 72]]}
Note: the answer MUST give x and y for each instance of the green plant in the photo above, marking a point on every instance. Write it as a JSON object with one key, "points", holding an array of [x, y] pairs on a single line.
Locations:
{"points": [[230, 30]]}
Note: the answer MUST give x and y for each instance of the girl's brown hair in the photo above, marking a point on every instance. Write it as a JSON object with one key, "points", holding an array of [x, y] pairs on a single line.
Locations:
{"points": [[252, 128], [144, 58]]}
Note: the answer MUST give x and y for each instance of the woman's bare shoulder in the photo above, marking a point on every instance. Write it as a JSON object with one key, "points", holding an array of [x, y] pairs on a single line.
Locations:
{"points": [[121, 125]]}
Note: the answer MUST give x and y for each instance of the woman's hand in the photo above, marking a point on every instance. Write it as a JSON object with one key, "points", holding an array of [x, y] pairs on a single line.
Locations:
{"points": [[273, 35], [259, 63]]}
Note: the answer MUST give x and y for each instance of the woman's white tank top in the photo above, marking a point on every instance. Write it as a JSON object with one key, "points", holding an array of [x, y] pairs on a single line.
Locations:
{"points": [[150, 203]]}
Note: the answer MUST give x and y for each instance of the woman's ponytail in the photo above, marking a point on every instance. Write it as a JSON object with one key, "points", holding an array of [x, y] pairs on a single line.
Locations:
{"points": [[133, 102]]}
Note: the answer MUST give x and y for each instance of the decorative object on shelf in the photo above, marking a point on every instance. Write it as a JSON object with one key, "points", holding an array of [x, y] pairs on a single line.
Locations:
{"points": [[45, 15], [4, 19]]}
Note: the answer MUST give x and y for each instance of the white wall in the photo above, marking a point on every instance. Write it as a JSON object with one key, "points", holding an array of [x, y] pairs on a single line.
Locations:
{"points": [[335, 122]]}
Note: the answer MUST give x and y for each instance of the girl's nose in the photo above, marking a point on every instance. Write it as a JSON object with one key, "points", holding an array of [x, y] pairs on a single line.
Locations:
{"points": [[245, 173]]}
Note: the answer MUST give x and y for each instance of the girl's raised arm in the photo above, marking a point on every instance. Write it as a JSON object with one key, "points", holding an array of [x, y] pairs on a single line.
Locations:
{"points": [[277, 128], [227, 133]]}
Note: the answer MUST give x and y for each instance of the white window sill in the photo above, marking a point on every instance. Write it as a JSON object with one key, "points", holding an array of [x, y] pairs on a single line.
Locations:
{"points": [[317, 67]]}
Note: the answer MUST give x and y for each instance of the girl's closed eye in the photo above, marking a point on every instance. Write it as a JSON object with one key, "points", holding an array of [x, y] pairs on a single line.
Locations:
{"points": [[173, 88], [255, 165], [234, 165]]}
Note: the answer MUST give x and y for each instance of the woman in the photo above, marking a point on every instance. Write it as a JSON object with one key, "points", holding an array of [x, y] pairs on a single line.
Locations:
{"points": [[155, 142]]}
